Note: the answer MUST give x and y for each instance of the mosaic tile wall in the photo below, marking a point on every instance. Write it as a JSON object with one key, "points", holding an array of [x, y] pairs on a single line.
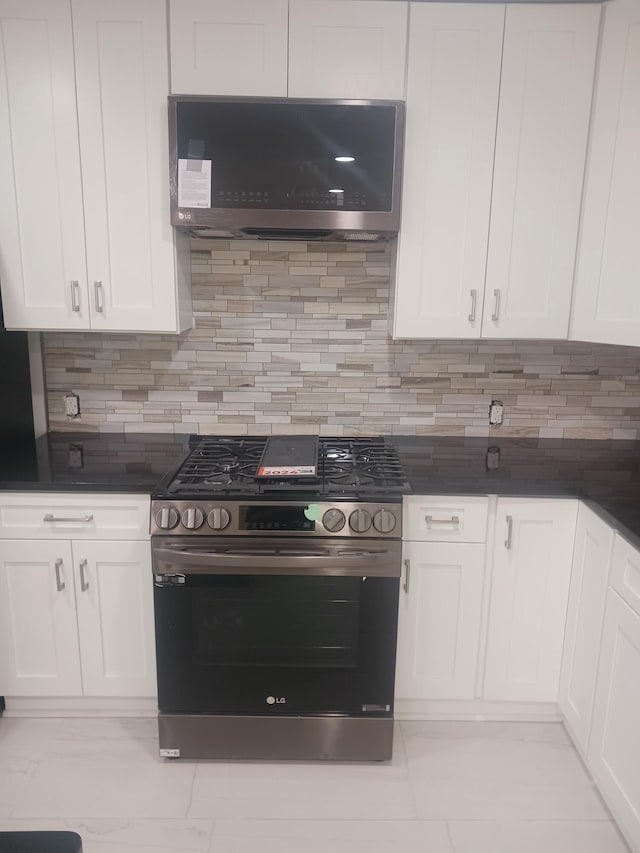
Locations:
{"points": [[292, 338]]}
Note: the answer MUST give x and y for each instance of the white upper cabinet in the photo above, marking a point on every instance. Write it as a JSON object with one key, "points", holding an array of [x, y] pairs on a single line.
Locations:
{"points": [[543, 122], [452, 104], [497, 127], [347, 49], [220, 47], [606, 304], [85, 236], [42, 255], [122, 76]]}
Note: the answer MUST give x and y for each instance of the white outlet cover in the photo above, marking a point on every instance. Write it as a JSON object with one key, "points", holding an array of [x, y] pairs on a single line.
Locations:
{"points": [[71, 405]]}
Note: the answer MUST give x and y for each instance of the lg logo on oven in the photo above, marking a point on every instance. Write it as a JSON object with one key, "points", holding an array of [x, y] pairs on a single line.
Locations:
{"points": [[276, 700]]}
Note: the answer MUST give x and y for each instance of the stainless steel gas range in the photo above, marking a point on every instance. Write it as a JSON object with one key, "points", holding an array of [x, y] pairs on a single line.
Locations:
{"points": [[276, 572]]}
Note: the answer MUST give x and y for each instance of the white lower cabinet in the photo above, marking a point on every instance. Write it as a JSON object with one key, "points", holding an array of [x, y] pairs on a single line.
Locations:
{"points": [[614, 748], [39, 649], [585, 614], [529, 592], [439, 620], [114, 597], [77, 619]]}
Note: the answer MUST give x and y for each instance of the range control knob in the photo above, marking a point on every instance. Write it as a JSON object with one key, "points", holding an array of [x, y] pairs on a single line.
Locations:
{"points": [[167, 518], [192, 518], [333, 520], [384, 521], [219, 518], [360, 520]]}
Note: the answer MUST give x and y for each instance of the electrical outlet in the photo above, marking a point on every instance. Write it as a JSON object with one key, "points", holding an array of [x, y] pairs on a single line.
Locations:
{"points": [[72, 405], [496, 412]]}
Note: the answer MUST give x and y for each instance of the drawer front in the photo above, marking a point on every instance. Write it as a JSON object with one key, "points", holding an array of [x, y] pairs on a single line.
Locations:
{"points": [[445, 519], [625, 572], [63, 516]]}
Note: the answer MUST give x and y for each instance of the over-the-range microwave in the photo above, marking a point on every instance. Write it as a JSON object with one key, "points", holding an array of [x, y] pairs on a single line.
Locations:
{"points": [[292, 168]]}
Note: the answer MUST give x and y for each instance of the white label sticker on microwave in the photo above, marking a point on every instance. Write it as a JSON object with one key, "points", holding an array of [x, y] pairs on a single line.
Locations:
{"points": [[194, 183]]}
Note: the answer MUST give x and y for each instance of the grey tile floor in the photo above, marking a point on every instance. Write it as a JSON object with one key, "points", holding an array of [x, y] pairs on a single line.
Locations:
{"points": [[451, 788]]}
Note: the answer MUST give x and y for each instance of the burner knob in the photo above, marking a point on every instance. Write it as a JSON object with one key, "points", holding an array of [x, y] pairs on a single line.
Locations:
{"points": [[384, 521], [219, 518], [167, 518], [333, 520], [192, 518], [360, 520]]}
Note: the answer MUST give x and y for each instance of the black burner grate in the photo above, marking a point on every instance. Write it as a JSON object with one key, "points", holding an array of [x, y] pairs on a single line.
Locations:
{"points": [[346, 466]]}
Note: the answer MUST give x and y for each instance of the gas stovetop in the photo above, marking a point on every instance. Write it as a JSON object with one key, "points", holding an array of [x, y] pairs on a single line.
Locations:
{"points": [[347, 468]]}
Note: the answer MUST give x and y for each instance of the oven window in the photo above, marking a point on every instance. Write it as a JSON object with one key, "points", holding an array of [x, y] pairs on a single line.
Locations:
{"points": [[277, 621]]}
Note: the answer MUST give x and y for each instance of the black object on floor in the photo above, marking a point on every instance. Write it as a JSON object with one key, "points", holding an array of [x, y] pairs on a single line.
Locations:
{"points": [[40, 842]]}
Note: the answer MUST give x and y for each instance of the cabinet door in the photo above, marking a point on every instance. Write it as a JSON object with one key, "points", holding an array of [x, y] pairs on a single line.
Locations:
{"points": [[229, 47], [529, 593], [347, 48], [614, 748], [39, 647], [123, 81], [42, 255], [543, 123], [439, 621], [452, 103], [114, 591], [606, 306], [587, 597]]}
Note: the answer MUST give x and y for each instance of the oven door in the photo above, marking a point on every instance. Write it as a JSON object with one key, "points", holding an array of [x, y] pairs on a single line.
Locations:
{"points": [[279, 627]]}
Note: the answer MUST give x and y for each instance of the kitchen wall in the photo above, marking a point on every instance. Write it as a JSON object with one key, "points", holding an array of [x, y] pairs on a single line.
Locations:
{"points": [[292, 337]]}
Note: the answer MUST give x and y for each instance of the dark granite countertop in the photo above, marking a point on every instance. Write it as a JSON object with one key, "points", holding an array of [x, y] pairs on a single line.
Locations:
{"points": [[90, 462], [605, 473]]}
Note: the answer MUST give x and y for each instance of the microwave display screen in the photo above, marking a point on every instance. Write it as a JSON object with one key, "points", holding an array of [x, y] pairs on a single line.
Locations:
{"points": [[291, 156]]}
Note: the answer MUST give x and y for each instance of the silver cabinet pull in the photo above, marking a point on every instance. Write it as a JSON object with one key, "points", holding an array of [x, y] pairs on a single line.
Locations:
{"points": [[98, 296], [407, 573], [85, 518], [84, 583], [508, 540], [474, 299], [60, 584], [455, 519], [75, 296], [496, 307]]}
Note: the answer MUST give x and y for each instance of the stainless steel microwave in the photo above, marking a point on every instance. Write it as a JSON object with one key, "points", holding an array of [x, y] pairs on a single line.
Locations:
{"points": [[290, 168]]}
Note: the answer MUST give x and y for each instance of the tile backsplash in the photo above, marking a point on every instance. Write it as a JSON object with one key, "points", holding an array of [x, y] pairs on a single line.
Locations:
{"points": [[292, 338]]}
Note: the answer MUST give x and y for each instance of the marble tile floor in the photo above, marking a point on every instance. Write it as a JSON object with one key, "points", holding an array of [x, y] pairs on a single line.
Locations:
{"points": [[450, 788]]}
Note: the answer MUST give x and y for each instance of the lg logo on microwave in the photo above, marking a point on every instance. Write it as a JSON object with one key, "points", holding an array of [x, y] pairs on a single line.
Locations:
{"points": [[276, 700]]}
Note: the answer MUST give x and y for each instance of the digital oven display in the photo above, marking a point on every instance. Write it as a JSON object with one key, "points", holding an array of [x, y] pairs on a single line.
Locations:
{"points": [[265, 517]]}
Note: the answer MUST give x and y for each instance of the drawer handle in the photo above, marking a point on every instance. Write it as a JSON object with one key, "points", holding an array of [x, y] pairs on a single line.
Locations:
{"points": [[407, 575], [84, 583], [60, 584], [85, 518], [509, 539], [455, 520]]}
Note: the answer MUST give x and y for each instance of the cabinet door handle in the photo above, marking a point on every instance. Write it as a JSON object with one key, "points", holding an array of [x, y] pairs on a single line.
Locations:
{"points": [[407, 575], [85, 518], [97, 285], [509, 539], [75, 296], [455, 520], [496, 306], [60, 584], [474, 300], [84, 583]]}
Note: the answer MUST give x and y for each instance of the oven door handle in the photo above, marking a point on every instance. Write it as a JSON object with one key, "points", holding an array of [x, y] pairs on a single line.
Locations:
{"points": [[360, 562]]}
